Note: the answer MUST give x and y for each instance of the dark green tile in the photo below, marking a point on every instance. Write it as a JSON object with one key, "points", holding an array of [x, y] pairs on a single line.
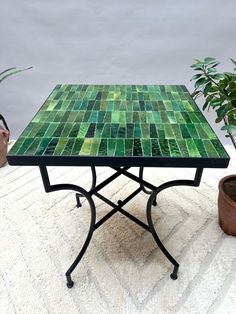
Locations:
{"points": [[174, 148], [137, 148], [164, 147], [155, 147], [129, 147], [77, 146]]}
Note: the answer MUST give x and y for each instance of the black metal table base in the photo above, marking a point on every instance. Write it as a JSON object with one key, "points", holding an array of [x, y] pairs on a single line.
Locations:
{"points": [[144, 186]]}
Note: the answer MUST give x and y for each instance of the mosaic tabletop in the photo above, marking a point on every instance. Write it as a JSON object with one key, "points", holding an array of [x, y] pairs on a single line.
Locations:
{"points": [[149, 125]]}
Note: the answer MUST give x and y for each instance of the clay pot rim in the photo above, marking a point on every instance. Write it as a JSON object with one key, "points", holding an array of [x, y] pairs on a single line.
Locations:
{"points": [[221, 189]]}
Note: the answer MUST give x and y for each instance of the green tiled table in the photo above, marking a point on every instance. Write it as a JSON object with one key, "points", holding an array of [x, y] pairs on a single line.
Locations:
{"points": [[119, 126]]}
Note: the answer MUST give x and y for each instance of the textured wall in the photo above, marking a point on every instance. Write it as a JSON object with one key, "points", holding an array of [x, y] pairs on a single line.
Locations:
{"points": [[105, 42]]}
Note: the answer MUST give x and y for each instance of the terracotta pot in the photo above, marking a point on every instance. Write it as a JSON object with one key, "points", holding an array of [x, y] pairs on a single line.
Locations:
{"points": [[4, 138], [227, 204]]}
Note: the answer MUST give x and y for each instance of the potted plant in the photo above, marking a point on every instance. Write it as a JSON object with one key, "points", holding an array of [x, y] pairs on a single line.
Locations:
{"points": [[219, 92], [4, 130]]}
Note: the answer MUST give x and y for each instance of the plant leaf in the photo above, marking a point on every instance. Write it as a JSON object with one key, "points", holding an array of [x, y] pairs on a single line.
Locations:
{"points": [[216, 102], [214, 64], [229, 127], [211, 70], [222, 110], [14, 72], [207, 88], [230, 75], [217, 76], [196, 76], [200, 82], [234, 62], [7, 71], [197, 66], [209, 59], [217, 120], [205, 105]]}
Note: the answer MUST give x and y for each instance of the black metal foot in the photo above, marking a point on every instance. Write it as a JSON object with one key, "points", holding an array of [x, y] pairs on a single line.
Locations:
{"points": [[78, 204], [70, 282], [155, 202], [174, 275]]}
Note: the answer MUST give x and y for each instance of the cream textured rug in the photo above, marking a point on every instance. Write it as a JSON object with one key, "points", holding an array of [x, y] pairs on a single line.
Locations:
{"points": [[122, 271]]}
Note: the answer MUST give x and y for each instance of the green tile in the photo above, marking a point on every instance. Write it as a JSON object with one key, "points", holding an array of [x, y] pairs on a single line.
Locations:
{"points": [[174, 148], [111, 147], [51, 129], [171, 117], [146, 146], [164, 147], [176, 131], [60, 146], [192, 131], [219, 148], [200, 147], [201, 132], [95, 146], [82, 130], [183, 148], [42, 146], [129, 143], [169, 133], [103, 147], [155, 147], [120, 147], [137, 131], [137, 148], [210, 149], [192, 148], [85, 149], [77, 146], [184, 131]]}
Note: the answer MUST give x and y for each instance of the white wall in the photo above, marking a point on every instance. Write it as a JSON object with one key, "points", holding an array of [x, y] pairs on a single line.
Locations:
{"points": [[123, 41]]}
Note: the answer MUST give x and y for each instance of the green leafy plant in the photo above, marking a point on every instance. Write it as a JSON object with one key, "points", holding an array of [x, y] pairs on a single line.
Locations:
{"points": [[8, 72], [219, 92], [5, 74]]}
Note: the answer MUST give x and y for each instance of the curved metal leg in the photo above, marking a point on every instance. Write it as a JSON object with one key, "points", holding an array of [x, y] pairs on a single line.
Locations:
{"points": [[70, 282], [141, 169], [152, 199], [94, 181], [57, 187], [157, 239]]}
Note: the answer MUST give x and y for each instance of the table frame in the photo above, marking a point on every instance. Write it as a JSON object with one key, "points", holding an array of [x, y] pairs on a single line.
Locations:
{"points": [[94, 191]]}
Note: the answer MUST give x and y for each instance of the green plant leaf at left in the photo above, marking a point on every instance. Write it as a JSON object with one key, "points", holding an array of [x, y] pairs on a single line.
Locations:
{"points": [[7, 70], [11, 73]]}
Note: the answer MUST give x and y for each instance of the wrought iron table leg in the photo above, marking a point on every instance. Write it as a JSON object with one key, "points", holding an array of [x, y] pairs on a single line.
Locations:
{"points": [[141, 169], [57, 187], [157, 239], [70, 282], [195, 182], [94, 181]]}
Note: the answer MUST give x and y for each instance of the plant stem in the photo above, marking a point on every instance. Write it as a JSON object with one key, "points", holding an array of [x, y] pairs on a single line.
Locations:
{"points": [[230, 134]]}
